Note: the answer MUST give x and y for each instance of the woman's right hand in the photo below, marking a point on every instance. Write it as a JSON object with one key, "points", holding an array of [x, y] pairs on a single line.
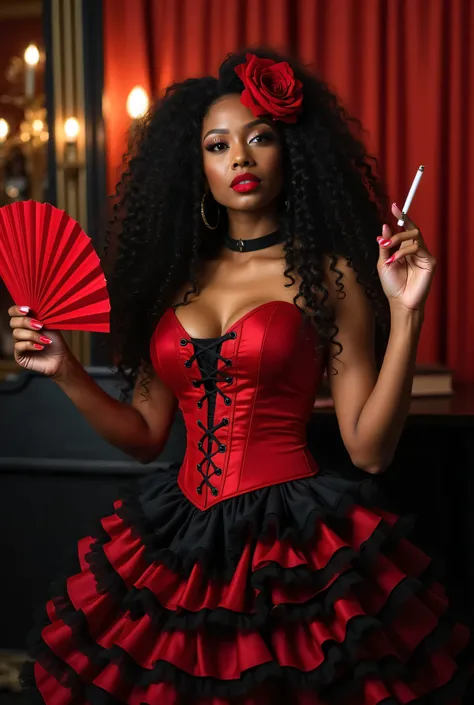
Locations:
{"points": [[31, 347]]}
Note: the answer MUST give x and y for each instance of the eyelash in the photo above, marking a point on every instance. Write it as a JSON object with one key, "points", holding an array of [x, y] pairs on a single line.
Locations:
{"points": [[264, 136]]}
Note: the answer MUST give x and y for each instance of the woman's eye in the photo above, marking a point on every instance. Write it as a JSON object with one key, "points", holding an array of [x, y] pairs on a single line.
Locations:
{"points": [[263, 137], [216, 147]]}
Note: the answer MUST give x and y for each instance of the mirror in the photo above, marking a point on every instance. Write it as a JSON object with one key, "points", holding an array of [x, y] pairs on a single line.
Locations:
{"points": [[23, 121]]}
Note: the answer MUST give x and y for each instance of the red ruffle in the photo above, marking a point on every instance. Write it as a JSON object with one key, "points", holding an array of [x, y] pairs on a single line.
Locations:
{"points": [[126, 554], [226, 656], [196, 592], [373, 691]]}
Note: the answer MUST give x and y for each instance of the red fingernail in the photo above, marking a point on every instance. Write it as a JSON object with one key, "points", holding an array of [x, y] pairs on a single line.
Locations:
{"points": [[38, 347], [390, 259], [24, 309], [36, 324], [386, 243], [44, 339]]}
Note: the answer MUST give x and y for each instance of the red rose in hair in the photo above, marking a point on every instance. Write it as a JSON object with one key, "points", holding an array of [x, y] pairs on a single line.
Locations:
{"points": [[271, 88]]}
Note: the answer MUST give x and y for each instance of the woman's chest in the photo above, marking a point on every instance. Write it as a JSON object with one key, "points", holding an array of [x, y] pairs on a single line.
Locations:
{"points": [[270, 347], [227, 293]]}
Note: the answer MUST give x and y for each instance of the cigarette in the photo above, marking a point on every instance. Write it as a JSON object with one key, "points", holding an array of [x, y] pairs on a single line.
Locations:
{"points": [[411, 194]]}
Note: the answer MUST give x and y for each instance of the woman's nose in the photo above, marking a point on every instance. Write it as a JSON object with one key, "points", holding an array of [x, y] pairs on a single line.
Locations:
{"points": [[241, 159]]}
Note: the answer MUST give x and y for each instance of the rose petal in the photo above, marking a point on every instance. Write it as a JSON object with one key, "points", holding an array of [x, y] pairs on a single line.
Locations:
{"points": [[247, 100]]}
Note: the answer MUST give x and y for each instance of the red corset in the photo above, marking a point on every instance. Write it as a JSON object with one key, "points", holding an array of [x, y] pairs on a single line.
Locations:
{"points": [[246, 399]]}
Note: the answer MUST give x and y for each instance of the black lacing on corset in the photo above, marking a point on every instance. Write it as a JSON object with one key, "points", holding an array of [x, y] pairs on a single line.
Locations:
{"points": [[207, 354]]}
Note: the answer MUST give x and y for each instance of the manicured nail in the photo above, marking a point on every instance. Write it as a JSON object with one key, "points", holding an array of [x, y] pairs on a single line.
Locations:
{"points": [[36, 324], [44, 339], [38, 347], [24, 309], [386, 243], [390, 260]]}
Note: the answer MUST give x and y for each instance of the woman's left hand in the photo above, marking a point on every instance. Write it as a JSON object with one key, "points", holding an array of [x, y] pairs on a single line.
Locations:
{"points": [[407, 272]]}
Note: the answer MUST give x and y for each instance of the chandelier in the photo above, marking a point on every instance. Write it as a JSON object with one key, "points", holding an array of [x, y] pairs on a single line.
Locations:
{"points": [[22, 76]]}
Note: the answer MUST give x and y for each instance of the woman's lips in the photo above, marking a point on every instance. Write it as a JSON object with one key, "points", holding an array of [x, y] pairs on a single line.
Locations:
{"points": [[245, 182], [245, 186]]}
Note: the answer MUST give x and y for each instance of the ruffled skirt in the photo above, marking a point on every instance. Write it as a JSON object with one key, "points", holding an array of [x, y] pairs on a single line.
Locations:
{"points": [[299, 593]]}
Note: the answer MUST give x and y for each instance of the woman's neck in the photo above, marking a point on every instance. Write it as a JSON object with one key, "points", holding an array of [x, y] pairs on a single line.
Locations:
{"points": [[248, 226]]}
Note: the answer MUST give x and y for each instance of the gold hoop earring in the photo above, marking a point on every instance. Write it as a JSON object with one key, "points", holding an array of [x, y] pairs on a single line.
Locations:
{"points": [[203, 214]]}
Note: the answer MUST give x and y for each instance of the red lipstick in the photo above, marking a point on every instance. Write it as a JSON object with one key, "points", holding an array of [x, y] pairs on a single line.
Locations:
{"points": [[245, 182]]}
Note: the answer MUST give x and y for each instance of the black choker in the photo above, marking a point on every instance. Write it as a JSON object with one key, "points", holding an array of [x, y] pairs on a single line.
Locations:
{"points": [[258, 243]]}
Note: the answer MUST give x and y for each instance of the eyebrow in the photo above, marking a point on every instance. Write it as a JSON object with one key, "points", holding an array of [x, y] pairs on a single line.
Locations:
{"points": [[220, 131]]}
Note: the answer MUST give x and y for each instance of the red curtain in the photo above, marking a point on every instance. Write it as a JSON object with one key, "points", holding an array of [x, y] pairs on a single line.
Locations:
{"points": [[404, 67]]}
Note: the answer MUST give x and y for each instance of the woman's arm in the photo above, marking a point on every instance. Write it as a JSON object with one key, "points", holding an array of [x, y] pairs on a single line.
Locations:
{"points": [[371, 411], [139, 429]]}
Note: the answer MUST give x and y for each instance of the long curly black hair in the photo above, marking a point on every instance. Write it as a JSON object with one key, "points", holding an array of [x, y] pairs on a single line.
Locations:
{"points": [[336, 208]]}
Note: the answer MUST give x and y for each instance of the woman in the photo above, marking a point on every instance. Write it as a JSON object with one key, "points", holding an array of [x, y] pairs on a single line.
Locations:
{"points": [[251, 255]]}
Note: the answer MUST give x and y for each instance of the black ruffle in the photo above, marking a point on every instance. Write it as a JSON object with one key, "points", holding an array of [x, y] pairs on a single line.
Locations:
{"points": [[139, 602], [323, 678], [178, 534]]}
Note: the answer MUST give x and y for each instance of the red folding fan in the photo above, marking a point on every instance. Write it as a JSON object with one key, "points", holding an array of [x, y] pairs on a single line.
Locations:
{"points": [[49, 264]]}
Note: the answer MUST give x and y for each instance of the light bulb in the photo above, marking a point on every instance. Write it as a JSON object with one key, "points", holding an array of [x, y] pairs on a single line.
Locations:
{"points": [[137, 102], [31, 55], [37, 126], [71, 129], [4, 129]]}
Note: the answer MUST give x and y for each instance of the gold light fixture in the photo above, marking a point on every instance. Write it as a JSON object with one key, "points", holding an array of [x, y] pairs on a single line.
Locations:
{"points": [[32, 57], [71, 129], [71, 133]]}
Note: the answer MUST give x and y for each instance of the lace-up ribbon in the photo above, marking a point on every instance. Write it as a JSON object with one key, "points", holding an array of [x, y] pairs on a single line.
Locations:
{"points": [[207, 354]]}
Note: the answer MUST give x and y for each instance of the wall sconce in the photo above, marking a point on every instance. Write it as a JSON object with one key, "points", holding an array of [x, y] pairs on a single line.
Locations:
{"points": [[71, 132], [4, 129], [32, 57], [137, 105], [137, 102]]}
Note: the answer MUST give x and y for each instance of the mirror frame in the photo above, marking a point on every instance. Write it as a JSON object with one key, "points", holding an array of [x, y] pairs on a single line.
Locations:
{"points": [[74, 79]]}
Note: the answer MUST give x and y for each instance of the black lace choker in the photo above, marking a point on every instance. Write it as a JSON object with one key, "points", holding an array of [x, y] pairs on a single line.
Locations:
{"points": [[258, 243]]}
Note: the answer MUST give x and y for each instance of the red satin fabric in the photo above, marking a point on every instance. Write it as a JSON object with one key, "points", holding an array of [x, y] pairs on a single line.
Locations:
{"points": [[276, 372]]}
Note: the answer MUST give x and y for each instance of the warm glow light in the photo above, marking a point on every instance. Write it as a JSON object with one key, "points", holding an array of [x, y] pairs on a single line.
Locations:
{"points": [[71, 129], [137, 102], [25, 136], [12, 191], [32, 55], [44, 136], [4, 129], [37, 126]]}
